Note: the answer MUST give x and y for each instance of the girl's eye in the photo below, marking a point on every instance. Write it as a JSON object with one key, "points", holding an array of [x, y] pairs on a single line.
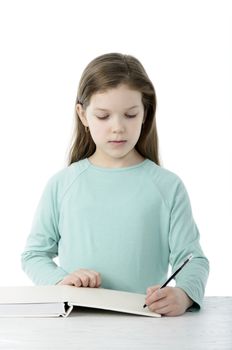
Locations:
{"points": [[102, 118], [107, 116], [130, 115]]}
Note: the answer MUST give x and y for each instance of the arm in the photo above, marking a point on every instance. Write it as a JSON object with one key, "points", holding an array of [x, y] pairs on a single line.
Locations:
{"points": [[191, 281], [42, 243], [184, 240]]}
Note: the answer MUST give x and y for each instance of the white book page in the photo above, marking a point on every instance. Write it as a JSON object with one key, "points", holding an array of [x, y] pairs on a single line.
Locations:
{"points": [[110, 300]]}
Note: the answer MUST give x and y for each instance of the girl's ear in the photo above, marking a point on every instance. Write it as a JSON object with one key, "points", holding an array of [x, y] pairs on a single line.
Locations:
{"points": [[81, 114]]}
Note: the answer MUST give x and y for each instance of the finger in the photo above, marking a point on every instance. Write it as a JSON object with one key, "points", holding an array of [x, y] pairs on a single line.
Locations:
{"points": [[152, 289], [98, 279], [77, 282], [71, 280], [92, 275], [79, 279], [84, 279], [155, 296], [164, 310], [94, 278], [154, 306]]}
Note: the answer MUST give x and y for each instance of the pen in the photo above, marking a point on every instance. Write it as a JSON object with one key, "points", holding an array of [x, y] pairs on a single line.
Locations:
{"points": [[175, 273]]}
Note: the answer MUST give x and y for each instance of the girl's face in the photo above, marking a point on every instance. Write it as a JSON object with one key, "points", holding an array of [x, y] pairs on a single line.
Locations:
{"points": [[115, 119]]}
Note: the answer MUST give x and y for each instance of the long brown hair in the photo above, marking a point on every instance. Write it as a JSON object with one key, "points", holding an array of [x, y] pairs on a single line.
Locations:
{"points": [[105, 72]]}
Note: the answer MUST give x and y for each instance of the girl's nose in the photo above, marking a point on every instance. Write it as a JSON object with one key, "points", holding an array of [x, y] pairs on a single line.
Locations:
{"points": [[117, 125]]}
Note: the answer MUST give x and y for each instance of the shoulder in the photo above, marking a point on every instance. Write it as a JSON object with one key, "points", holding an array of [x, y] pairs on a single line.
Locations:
{"points": [[161, 176], [71, 172], [61, 181], [166, 182]]}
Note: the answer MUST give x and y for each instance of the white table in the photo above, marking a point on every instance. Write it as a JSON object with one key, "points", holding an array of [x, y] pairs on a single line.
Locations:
{"points": [[211, 328]]}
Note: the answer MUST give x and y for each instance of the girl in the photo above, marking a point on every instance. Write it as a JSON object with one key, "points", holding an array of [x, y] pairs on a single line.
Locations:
{"points": [[114, 216]]}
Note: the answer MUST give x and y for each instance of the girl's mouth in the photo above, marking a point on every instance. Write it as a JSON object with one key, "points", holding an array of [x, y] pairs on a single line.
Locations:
{"points": [[119, 141]]}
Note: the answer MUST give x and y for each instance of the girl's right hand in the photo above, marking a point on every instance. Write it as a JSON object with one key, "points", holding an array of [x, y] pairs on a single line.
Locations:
{"points": [[82, 278]]}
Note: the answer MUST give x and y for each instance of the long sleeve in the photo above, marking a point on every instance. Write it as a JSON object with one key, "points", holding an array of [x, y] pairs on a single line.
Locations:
{"points": [[42, 243], [183, 240]]}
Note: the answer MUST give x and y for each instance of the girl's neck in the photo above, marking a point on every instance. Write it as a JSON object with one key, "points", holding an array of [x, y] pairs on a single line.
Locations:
{"points": [[107, 162]]}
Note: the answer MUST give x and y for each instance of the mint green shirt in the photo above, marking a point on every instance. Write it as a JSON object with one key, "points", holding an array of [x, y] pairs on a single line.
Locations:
{"points": [[128, 224]]}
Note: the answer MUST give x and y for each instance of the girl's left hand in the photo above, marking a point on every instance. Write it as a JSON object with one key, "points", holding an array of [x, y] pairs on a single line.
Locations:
{"points": [[168, 301]]}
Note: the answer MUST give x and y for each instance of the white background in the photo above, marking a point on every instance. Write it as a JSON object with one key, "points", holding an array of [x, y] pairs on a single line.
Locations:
{"points": [[185, 46]]}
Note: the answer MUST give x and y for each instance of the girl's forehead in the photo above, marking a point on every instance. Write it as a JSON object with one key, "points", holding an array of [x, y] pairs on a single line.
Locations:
{"points": [[122, 95]]}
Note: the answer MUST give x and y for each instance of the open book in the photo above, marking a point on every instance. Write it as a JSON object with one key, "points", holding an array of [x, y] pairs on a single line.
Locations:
{"points": [[51, 301]]}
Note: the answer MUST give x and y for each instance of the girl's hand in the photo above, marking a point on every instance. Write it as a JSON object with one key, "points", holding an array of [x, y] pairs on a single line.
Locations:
{"points": [[82, 278], [168, 301]]}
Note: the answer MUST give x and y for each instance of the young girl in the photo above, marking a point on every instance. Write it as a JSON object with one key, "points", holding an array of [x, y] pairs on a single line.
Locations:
{"points": [[114, 216]]}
